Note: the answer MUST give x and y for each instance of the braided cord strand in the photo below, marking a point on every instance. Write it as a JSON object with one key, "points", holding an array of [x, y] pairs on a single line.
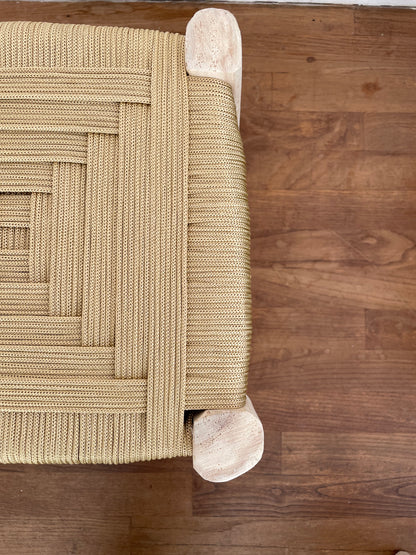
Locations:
{"points": [[169, 140]]}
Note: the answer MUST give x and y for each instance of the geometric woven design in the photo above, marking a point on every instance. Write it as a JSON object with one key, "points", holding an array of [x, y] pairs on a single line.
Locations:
{"points": [[124, 237]]}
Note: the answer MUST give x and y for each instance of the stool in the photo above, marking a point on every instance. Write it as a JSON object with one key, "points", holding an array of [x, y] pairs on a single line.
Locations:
{"points": [[124, 247]]}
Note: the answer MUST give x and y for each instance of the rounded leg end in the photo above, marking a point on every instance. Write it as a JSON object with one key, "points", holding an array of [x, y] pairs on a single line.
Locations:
{"points": [[227, 443]]}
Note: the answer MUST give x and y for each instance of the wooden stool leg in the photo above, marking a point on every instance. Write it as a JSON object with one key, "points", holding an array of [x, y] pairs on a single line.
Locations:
{"points": [[213, 49], [226, 443]]}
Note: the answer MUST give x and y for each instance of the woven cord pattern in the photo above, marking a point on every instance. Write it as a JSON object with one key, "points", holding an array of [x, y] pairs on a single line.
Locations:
{"points": [[124, 276]]}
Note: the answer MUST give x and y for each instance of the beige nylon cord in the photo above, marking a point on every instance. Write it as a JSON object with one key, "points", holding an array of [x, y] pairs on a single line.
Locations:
{"points": [[124, 237]]}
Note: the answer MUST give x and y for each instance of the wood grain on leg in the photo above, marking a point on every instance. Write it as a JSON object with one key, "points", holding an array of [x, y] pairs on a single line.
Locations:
{"points": [[227, 443], [213, 48]]}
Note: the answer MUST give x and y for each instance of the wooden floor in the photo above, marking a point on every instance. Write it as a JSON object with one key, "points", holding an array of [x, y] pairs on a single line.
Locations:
{"points": [[329, 126]]}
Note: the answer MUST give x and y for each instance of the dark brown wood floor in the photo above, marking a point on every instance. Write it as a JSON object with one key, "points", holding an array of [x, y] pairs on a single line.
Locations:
{"points": [[329, 125]]}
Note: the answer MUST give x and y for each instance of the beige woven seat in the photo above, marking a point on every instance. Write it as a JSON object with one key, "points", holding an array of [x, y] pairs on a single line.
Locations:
{"points": [[124, 267]]}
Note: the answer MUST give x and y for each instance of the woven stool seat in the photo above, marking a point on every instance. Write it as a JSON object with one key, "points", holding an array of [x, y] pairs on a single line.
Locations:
{"points": [[124, 245]]}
